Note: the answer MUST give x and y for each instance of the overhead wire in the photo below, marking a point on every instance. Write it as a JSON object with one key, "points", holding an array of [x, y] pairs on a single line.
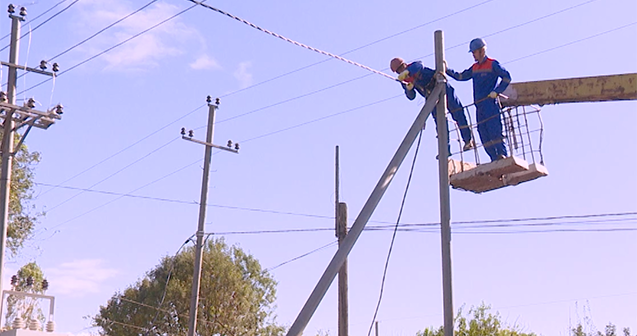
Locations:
{"points": [[302, 256], [358, 48], [393, 238], [38, 16], [45, 22], [114, 174], [113, 47], [126, 148]]}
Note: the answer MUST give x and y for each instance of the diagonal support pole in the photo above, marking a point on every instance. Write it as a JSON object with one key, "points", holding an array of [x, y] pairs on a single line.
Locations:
{"points": [[359, 224]]}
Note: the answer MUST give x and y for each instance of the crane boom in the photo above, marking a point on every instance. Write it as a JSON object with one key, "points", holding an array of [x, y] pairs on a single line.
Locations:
{"points": [[572, 90]]}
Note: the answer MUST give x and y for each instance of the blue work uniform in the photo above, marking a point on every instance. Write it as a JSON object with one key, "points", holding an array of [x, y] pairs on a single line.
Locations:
{"points": [[485, 76], [424, 82]]}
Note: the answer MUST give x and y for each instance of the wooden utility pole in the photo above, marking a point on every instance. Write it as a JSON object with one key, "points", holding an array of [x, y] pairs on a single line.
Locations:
{"points": [[341, 232]]}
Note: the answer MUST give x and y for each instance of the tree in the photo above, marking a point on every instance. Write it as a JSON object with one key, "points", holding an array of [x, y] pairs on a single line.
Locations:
{"points": [[29, 279], [610, 330], [481, 323], [236, 297], [22, 216]]}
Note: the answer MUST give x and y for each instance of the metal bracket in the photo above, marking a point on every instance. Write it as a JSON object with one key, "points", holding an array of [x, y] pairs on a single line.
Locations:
{"points": [[229, 149], [22, 67]]}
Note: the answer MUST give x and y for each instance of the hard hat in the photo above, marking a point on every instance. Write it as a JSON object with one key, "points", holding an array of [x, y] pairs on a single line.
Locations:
{"points": [[396, 63], [476, 44]]}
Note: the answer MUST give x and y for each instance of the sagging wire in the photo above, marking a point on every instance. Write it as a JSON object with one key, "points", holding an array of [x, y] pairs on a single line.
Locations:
{"points": [[200, 3], [301, 256], [393, 238]]}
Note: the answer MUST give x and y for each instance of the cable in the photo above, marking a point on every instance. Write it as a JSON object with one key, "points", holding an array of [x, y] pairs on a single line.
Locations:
{"points": [[357, 48], [292, 41], [37, 17], [111, 201], [111, 48], [301, 256], [102, 30], [125, 149], [393, 238], [45, 21], [172, 266], [115, 173]]}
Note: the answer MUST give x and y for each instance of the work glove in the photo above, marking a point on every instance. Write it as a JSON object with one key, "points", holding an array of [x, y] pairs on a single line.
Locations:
{"points": [[409, 86], [493, 94], [403, 75]]}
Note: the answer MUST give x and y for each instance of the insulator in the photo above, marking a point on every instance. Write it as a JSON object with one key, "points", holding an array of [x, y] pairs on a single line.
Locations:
{"points": [[209, 99], [45, 284], [217, 101], [23, 11], [59, 109], [14, 280], [191, 133], [3, 96], [43, 65], [30, 281], [56, 67], [183, 131], [236, 146], [229, 143], [31, 103], [11, 9]]}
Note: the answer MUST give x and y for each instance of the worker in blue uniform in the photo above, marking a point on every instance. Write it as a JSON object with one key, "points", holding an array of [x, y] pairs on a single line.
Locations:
{"points": [[485, 73], [416, 77]]}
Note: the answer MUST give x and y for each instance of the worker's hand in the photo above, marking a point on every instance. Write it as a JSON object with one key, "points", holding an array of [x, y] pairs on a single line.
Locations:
{"points": [[403, 75], [493, 94], [409, 86]]}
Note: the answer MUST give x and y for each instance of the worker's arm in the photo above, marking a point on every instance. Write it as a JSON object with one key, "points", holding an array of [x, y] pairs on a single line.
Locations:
{"points": [[503, 74], [461, 76]]}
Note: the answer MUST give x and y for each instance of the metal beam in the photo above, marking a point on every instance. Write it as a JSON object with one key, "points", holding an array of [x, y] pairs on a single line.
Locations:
{"points": [[572, 90]]}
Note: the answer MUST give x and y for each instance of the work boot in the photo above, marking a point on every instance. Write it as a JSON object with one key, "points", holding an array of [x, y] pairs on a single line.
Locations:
{"points": [[469, 145]]}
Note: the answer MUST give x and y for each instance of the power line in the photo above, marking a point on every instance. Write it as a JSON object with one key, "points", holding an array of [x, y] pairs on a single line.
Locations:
{"points": [[123, 150], [302, 256], [111, 48], [37, 17], [292, 41], [358, 48], [43, 23], [102, 30], [115, 173], [393, 238]]}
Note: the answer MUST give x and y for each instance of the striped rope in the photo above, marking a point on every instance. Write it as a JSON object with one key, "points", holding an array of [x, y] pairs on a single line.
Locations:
{"points": [[292, 41]]}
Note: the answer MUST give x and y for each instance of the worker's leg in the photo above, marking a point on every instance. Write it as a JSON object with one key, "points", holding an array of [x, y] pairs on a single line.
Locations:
{"points": [[457, 113], [495, 129], [482, 116]]}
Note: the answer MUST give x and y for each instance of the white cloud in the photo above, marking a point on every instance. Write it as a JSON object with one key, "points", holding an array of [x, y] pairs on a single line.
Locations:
{"points": [[80, 277], [242, 74], [205, 62], [167, 40]]}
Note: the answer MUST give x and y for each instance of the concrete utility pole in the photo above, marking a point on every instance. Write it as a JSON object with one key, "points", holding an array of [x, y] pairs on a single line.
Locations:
{"points": [[443, 171], [196, 278], [366, 212], [16, 117], [341, 232]]}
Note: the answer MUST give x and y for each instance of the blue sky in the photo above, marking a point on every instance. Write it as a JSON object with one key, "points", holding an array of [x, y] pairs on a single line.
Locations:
{"points": [[95, 244]]}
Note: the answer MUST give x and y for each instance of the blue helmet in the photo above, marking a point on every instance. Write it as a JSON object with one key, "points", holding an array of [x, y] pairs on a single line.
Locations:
{"points": [[476, 44]]}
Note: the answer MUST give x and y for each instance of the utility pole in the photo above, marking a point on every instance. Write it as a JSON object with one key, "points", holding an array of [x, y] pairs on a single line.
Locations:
{"points": [[443, 170], [16, 117], [341, 232], [196, 278]]}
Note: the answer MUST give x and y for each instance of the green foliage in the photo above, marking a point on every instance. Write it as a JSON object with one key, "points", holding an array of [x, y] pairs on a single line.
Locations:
{"points": [[236, 297], [610, 330], [482, 323], [22, 216], [26, 307]]}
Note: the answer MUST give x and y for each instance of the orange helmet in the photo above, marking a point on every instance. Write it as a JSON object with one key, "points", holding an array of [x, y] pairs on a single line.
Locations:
{"points": [[396, 63]]}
